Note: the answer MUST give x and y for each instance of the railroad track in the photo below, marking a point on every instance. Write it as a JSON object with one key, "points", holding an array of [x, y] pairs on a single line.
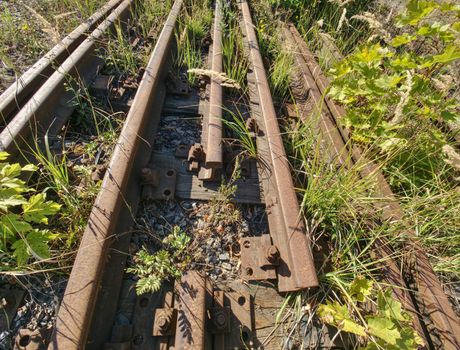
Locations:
{"points": [[153, 162]]}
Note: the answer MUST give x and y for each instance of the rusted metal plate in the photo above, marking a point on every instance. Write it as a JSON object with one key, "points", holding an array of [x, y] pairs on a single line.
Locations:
{"points": [[296, 270], [190, 294], [188, 186], [164, 185], [32, 340], [241, 335], [76, 310], [254, 263]]}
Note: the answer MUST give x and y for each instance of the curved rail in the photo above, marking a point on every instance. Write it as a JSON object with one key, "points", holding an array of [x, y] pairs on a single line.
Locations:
{"points": [[50, 106], [14, 98]]}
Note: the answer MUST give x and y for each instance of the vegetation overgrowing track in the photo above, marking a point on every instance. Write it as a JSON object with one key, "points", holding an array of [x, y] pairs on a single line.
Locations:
{"points": [[202, 139]]}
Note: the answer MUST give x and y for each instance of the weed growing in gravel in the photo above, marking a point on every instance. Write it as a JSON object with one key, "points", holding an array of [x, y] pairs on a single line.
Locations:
{"points": [[165, 264]]}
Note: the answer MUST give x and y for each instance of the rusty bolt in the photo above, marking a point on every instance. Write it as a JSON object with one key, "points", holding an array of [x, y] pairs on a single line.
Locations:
{"points": [[149, 177], [163, 324], [273, 255], [220, 319]]}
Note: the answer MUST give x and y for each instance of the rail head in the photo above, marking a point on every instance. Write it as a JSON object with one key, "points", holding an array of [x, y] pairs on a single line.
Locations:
{"points": [[296, 270], [75, 313]]}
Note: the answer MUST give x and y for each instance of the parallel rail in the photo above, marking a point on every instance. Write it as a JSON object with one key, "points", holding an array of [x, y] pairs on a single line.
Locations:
{"points": [[14, 98], [432, 296], [39, 105]]}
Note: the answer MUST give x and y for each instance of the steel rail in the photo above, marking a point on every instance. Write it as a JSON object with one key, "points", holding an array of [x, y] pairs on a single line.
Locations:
{"points": [[213, 127], [430, 291], [50, 104], [296, 270], [338, 148], [13, 98], [76, 310]]}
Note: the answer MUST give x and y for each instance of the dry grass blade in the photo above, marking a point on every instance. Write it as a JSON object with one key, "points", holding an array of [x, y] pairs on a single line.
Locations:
{"points": [[46, 26]]}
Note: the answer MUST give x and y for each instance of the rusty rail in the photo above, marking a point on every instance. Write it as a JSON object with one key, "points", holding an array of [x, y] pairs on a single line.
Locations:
{"points": [[13, 98], [431, 293], [75, 313], [296, 269], [50, 106], [213, 147]]}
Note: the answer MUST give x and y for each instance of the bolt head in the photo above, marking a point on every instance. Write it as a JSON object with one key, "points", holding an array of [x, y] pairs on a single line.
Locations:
{"points": [[220, 319], [273, 254]]}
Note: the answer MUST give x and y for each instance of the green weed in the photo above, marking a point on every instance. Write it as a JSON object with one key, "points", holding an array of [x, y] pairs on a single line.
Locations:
{"points": [[168, 262]]}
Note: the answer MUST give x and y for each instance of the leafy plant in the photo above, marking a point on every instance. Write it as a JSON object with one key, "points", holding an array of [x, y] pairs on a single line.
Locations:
{"points": [[388, 327], [169, 262], [391, 93], [23, 218]]}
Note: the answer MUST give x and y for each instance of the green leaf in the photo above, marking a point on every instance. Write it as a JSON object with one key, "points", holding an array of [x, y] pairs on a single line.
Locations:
{"points": [[12, 225], [38, 244], [9, 197], [11, 170], [451, 53], [20, 252], [29, 167], [402, 39], [361, 288], [417, 10], [35, 244], [389, 307], [384, 329], [37, 210], [4, 155], [338, 316], [388, 81]]}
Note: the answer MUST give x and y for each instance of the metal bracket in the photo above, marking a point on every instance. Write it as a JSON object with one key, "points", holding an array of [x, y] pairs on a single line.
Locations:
{"points": [[259, 258], [196, 155], [32, 340], [158, 183], [164, 323]]}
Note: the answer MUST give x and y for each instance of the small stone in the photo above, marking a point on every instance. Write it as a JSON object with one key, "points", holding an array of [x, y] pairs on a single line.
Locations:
{"points": [[224, 257], [226, 266]]}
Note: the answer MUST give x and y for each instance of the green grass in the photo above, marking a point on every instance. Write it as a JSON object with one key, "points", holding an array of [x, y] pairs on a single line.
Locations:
{"points": [[193, 27], [235, 63], [29, 29]]}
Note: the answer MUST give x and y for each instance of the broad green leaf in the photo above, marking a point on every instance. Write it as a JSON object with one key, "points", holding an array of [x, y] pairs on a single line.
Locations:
{"points": [[384, 329], [389, 307], [29, 167], [37, 210], [456, 26], [20, 252], [13, 224], [338, 316], [361, 288], [417, 10], [38, 244], [388, 81], [402, 39], [9, 197], [35, 244], [11, 170], [4, 155], [451, 53]]}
